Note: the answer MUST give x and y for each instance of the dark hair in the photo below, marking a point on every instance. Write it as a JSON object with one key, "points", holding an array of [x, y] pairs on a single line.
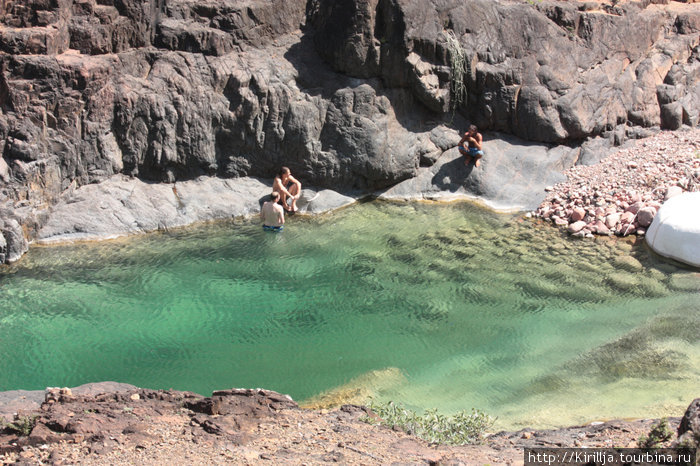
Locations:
{"points": [[274, 196], [473, 128], [283, 171]]}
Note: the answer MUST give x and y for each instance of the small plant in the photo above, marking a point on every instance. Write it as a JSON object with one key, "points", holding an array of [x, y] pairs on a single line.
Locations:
{"points": [[458, 63], [693, 180], [659, 433], [22, 425], [461, 429]]}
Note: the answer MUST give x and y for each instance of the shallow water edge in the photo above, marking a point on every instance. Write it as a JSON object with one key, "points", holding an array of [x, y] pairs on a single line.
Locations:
{"points": [[122, 206]]}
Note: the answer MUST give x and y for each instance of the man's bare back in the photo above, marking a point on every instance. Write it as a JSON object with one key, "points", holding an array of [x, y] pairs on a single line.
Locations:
{"points": [[272, 213]]}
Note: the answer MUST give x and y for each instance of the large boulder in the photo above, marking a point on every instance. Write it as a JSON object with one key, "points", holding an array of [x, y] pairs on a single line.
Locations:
{"points": [[122, 206], [689, 427], [512, 175], [675, 231], [14, 244]]}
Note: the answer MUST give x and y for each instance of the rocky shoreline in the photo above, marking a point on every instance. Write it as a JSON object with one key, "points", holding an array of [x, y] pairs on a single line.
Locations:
{"points": [[124, 206], [122, 424], [621, 194], [359, 96]]}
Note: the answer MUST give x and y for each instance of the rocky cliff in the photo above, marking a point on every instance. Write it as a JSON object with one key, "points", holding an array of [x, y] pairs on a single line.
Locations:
{"points": [[351, 94]]}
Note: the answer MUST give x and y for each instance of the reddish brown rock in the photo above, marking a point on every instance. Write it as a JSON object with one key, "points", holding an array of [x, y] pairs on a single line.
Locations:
{"points": [[601, 229], [578, 213], [576, 226], [645, 216], [634, 208], [612, 219], [627, 217]]}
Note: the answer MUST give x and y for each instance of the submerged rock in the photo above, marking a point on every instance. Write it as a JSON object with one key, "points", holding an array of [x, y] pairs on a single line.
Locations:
{"points": [[358, 390], [685, 282], [622, 282], [628, 263]]}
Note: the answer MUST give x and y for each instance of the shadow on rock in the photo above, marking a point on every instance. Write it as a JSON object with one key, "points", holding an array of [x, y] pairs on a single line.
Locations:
{"points": [[452, 175]]}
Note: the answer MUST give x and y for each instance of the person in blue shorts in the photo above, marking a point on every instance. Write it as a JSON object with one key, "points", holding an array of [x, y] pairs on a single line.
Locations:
{"points": [[272, 213], [470, 146]]}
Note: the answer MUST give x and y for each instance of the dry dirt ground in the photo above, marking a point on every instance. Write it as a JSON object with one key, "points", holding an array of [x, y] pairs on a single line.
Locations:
{"points": [[238, 426]]}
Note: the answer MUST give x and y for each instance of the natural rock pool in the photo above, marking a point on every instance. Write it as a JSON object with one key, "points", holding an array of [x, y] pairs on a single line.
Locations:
{"points": [[436, 305]]}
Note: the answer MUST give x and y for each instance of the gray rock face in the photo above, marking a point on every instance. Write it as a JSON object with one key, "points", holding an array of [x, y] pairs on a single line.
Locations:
{"points": [[547, 71], [320, 201], [121, 206], [3, 249], [13, 243], [512, 175], [350, 94]]}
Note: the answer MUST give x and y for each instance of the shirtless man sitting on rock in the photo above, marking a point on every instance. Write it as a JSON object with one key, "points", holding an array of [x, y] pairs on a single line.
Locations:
{"points": [[472, 150], [272, 213], [282, 180]]}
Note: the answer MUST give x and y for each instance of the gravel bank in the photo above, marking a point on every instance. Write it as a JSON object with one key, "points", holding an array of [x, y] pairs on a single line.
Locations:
{"points": [[621, 194]]}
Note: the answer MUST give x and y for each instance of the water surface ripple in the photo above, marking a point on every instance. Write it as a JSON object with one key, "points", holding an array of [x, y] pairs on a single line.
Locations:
{"points": [[447, 306]]}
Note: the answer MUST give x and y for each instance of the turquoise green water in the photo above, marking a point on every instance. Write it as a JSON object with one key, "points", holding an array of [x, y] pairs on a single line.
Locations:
{"points": [[447, 306]]}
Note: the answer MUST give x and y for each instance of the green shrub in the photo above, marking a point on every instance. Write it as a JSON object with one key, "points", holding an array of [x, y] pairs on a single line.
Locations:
{"points": [[660, 432], [461, 429], [22, 425]]}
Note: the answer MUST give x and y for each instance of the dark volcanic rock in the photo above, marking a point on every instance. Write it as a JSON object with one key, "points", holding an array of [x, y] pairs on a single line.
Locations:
{"points": [[95, 415], [545, 72], [689, 427], [14, 401]]}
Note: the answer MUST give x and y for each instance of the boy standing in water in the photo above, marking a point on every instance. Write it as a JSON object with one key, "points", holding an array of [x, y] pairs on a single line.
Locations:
{"points": [[472, 148], [272, 213], [282, 180]]}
